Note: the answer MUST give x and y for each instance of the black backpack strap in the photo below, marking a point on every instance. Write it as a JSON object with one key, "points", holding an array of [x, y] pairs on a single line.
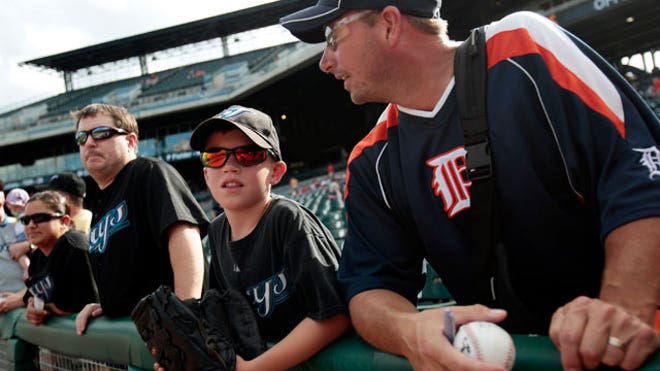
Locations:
{"points": [[470, 77], [493, 278], [470, 74]]}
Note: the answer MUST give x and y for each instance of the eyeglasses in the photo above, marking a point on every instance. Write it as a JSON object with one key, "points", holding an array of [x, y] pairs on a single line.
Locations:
{"points": [[246, 156], [39, 218], [331, 33], [99, 133]]}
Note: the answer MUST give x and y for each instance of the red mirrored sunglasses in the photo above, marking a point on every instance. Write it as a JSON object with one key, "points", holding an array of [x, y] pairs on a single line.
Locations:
{"points": [[246, 156]]}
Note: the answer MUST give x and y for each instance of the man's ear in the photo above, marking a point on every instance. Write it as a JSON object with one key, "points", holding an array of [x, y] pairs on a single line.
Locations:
{"points": [[391, 18], [279, 169], [132, 139]]}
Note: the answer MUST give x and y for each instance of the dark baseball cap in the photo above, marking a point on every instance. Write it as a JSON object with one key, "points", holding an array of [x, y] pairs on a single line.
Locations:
{"points": [[69, 183], [257, 125], [307, 24]]}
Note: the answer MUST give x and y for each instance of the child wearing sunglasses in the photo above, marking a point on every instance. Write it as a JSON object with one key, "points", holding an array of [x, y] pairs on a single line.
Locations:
{"points": [[271, 249], [61, 280]]}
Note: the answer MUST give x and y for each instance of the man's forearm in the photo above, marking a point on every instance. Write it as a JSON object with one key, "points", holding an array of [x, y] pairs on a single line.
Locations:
{"points": [[632, 257], [383, 318], [187, 260]]}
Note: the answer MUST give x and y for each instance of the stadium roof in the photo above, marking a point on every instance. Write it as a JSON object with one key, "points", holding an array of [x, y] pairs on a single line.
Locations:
{"points": [[616, 28], [603, 24], [171, 37]]}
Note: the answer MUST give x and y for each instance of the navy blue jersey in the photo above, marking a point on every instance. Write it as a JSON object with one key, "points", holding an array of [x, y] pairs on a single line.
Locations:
{"points": [[574, 157]]}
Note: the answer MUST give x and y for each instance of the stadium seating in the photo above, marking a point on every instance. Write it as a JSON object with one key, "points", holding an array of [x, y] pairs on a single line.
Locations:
{"points": [[324, 199], [145, 95]]}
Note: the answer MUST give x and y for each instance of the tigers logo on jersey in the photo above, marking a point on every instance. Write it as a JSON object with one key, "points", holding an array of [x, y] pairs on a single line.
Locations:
{"points": [[650, 159], [450, 181]]}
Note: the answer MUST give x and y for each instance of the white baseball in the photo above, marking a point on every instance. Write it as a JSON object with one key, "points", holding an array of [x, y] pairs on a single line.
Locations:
{"points": [[486, 342]]}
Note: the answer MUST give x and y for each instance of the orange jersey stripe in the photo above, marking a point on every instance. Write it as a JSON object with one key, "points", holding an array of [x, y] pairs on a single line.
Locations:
{"points": [[377, 134], [517, 42]]}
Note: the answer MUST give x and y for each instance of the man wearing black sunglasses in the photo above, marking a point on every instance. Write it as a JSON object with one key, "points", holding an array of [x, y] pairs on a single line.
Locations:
{"points": [[146, 227]]}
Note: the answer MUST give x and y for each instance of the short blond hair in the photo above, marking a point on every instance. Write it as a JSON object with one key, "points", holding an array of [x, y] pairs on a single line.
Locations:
{"points": [[431, 26], [122, 118]]}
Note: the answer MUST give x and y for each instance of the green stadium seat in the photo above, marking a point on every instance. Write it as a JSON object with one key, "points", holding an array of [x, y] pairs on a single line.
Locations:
{"points": [[434, 291]]}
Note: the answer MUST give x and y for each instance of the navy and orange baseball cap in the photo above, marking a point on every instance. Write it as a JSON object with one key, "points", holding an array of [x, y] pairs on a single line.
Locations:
{"points": [[307, 24]]}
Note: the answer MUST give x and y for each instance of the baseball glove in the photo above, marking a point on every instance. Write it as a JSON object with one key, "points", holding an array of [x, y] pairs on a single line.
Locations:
{"points": [[228, 316], [171, 327]]}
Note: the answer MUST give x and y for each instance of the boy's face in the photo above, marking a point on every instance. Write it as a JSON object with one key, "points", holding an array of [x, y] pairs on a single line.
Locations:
{"points": [[237, 187]]}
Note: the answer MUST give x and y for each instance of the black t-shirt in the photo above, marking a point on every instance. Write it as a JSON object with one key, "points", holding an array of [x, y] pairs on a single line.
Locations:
{"points": [[65, 276], [286, 266], [128, 238]]}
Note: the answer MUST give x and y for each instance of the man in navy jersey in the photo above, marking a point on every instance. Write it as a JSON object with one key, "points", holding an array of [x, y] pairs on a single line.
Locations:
{"points": [[575, 160]]}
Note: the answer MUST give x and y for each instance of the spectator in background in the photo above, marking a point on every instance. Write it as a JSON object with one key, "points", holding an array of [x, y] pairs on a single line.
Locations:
{"points": [[575, 179], [331, 170], [11, 282], [146, 226], [16, 200], [293, 186], [61, 276], [73, 188], [655, 88], [334, 192]]}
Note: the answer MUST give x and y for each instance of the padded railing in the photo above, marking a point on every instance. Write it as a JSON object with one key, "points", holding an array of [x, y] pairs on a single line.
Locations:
{"points": [[117, 341]]}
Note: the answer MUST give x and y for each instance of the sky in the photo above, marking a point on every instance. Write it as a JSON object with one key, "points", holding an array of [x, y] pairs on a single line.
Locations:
{"points": [[31, 29]]}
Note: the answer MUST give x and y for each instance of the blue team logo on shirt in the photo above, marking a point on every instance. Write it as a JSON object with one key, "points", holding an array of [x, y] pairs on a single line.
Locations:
{"points": [[112, 222], [269, 293], [43, 288]]}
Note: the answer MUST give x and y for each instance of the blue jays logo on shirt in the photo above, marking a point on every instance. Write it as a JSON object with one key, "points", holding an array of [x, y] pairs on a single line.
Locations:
{"points": [[449, 180], [43, 288], [269, 293], [112, 222]]}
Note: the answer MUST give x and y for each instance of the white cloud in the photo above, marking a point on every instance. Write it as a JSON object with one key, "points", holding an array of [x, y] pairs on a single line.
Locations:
{"points": [[37, 28]]}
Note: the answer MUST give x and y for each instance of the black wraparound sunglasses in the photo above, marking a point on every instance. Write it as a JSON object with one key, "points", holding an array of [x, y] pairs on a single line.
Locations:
{"points": [[39, 218], [99, 133]]}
